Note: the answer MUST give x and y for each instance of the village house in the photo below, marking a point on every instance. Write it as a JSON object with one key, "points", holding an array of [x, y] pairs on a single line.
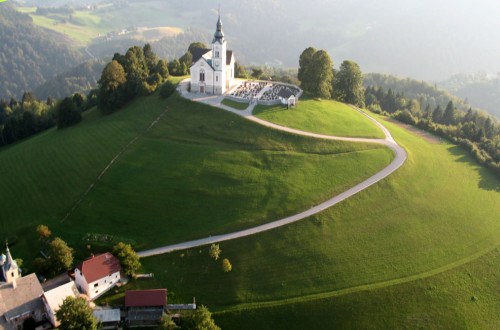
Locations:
{"points": [[98, 274], [54, 298]]}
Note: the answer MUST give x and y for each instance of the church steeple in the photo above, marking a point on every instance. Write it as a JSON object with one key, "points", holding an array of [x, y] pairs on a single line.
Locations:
{"points": [[9, 268], [218, 35]]}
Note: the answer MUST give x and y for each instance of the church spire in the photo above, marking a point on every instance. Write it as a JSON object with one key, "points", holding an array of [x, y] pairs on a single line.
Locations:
{"points": [[219, 35]]}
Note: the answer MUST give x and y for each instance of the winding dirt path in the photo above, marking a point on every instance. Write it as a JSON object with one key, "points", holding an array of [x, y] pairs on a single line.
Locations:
{"points": [[399, 160]]}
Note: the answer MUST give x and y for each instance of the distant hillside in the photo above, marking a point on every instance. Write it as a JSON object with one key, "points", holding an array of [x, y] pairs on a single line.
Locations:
{"points": [[479, 89], [81, 78], [28, 54], [424, 92]]}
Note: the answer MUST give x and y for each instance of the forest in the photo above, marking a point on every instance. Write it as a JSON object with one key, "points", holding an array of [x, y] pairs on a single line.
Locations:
{"points": [[28, 55]]}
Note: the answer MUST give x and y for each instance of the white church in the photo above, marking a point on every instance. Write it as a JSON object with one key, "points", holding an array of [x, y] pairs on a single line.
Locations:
{"points": [[212, 71]]}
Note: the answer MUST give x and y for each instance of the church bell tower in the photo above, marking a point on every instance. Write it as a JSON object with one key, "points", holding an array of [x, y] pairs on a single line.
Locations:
{"points": [[219, 59]]}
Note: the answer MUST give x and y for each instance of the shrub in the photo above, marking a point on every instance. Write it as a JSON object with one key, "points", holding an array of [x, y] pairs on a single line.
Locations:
{"points": [[226, 266], [167, 89], [214, 251]]}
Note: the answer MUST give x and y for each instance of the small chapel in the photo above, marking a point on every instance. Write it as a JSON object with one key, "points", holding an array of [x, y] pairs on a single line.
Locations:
{"points": [[212, 71]]}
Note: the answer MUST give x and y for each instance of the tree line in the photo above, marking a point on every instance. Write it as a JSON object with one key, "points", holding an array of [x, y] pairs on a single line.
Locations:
{"points": [[476, 132], [319, 78]]}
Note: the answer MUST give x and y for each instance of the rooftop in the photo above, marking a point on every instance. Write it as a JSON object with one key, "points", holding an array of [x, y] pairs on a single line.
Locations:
{"points": [[100, 266], [107, 315], [146, 298], [56, 296], [22, 299]]}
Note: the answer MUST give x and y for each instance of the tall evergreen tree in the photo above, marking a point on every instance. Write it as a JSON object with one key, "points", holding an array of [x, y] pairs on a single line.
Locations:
{"points": [[437, 114], [449, 114]]}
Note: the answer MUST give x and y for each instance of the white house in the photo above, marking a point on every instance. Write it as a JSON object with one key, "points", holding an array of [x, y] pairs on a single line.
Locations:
{"points": [[97, 274], [54, 298], [212, 71]]}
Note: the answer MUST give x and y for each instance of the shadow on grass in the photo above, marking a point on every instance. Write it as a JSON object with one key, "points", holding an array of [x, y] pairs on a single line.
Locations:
{"points": [[488, 180]]}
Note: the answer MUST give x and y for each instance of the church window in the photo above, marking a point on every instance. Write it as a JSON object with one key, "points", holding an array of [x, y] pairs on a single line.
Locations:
{"points": [[202, 76], [217, 54], [217, 78]]}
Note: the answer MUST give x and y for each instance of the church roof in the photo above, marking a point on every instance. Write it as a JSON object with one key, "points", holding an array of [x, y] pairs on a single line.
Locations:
{"points": [[21, 299], [9, 263], [218, 35], [199, 52]]}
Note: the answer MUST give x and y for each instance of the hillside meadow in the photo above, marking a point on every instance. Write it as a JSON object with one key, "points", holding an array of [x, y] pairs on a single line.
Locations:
{"points": [[200, 171], [426, 234], [320, 116]]}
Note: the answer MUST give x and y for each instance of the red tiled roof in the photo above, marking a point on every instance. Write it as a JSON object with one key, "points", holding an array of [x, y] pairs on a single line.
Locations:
{"points": [[99, 266], [146, 298]]}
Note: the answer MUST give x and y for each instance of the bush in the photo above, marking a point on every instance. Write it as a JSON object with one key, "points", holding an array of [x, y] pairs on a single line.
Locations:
{"points": [[226, 266], [214, 251], [167, 89]]}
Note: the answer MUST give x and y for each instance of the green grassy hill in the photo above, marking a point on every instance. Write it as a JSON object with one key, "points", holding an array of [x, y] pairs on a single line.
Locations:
{"points": [[399, 254], [411, 250], [200, 171]]}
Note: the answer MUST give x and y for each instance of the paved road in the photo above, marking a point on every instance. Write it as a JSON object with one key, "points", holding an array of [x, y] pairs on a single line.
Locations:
{"points": [[393, 166]]}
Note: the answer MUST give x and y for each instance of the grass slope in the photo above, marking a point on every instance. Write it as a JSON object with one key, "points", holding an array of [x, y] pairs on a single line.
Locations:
{"points": [[199, 171], [438, 211], [320, 116]]}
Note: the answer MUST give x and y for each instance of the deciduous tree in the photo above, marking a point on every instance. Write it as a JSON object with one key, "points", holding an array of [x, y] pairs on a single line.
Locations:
{"points": [[75, 313], [111, 95], [226, 265], [348, 84], [61, 255], [129, 260], [43, 232]]}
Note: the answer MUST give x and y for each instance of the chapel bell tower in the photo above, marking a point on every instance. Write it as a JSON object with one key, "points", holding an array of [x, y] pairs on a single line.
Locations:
{"points": [[219, 59]]}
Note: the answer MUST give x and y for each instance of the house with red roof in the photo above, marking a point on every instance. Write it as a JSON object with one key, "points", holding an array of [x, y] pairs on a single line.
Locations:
{"points": [[98, 274]]}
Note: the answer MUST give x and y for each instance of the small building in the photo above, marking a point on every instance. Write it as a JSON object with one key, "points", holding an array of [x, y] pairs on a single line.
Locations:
{"points": [[54, 298], [97, 275], [109, 318], [145, 307], [287, 97], [21, 300]]}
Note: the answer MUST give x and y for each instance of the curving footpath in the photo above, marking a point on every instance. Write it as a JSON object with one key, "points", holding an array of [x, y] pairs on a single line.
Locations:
{"points": [[399, 160]]}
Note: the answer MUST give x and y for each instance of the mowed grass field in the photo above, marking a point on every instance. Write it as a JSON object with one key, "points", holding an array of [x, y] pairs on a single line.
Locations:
{"points": [[200, 171], [390, 249], [320, 116]]}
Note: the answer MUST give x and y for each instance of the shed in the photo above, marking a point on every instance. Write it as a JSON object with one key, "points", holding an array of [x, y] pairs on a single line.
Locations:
{"points": [[287, 97]]}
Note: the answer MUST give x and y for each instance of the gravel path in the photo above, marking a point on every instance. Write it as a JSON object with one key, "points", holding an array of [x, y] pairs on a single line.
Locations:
{"points": [[393, 166]]}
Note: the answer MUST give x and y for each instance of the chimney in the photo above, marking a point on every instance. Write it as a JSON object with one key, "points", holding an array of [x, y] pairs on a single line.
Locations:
{"points": [[91, 256], [14, 283]]}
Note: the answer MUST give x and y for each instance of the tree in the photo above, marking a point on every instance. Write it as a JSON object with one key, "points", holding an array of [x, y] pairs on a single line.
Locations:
{"points": [[196, 45], [437, 114], [39, 265], [167, 89], [257, 72], [200, 319], [449, 114], [111, 93], [320, 74], [67, 113], [61, 255], [74, 313], [43, 232], [348, 84], [129, 260], [305, 61], [28, 97], [226, 265], [239, 70], [166, 322], [150, 57], [214, 251]]}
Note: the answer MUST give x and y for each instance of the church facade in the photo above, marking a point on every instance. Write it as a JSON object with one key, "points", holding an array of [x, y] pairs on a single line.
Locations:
{"points": [[212, 71]]}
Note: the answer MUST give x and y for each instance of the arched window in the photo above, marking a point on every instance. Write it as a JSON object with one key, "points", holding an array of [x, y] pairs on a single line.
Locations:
{"points": [[202, 75]]}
